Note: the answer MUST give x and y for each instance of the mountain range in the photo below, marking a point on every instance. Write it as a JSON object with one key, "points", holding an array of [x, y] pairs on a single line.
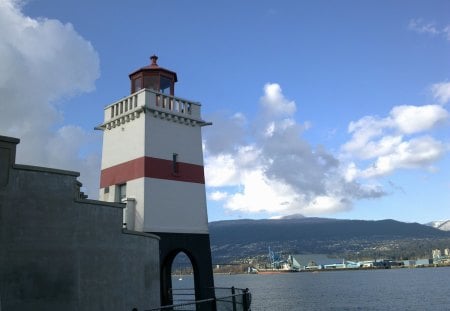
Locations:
{"points": [[240, 240]]}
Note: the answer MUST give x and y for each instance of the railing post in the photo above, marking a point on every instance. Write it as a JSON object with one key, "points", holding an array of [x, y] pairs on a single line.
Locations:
{"points": [[246, 300], [233, 297]]}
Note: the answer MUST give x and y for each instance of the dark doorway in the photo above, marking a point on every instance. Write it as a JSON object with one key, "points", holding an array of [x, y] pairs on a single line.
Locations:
{"points": [[196, 248], [177, 272], [182, 279]]}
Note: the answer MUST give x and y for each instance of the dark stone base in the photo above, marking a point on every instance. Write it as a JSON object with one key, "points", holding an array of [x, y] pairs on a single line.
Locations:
{"points": [[197, 248]]}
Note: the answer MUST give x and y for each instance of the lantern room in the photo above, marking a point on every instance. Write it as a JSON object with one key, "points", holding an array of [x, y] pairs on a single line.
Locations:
{"points": [[153, 77]]}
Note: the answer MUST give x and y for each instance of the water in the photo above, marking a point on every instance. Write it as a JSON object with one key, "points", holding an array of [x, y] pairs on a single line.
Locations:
{"points": [[395, 289]]}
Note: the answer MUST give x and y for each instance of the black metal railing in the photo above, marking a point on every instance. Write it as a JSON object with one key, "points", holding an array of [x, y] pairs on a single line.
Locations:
{"points": [[226, 299]]}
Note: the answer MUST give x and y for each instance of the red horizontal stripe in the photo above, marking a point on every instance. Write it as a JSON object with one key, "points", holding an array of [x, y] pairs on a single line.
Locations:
{"points": [[152, 168]]}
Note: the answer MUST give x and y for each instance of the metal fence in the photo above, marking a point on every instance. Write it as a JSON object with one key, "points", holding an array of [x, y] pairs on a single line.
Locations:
{"points": [[226, 299]]}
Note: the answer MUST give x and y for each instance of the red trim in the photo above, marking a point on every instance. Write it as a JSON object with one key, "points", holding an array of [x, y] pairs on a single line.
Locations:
{"points": [[152, 168]]}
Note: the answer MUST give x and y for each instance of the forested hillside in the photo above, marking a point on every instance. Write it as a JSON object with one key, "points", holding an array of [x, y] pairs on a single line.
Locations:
{"points": [[239, 239]]}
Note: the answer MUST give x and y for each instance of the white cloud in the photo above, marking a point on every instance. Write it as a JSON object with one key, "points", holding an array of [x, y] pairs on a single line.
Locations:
{"points": [[260, 194], [274, 101], [373, 136], [351, 172], [420, 26], [363, 131], [419, 152], [232, 129], [325, 204], [446, 32], [416, 119], [228, 168], [224, 172], [43, 62], [271, 169], [395, 142], [217, 195], [441, 91], [270, 129]]}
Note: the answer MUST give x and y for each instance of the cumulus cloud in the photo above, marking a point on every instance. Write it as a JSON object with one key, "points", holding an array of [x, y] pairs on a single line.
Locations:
{"points": [[217, 196], [415, 119], [419, 152], [274, 103], [43, 62], [231, 129], [441, 92], [397, 141], [271, 168]]}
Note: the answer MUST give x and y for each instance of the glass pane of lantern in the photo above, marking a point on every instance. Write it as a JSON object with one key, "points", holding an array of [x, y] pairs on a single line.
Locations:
{"points": [[151, 83], [165, 85], [137, 84]]}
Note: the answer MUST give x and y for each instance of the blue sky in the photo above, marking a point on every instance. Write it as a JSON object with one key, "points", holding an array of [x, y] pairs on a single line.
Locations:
{"points": [[322, 108]]}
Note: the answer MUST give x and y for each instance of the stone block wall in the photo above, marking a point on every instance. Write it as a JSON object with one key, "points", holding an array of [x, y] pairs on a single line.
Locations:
{"points": [[59, 251]]}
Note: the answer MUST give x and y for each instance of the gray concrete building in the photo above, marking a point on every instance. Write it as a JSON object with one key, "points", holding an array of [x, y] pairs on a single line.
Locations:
{"points": [[61, 251]]}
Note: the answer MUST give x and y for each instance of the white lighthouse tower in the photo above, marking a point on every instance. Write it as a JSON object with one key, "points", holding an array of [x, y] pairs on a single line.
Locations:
{"points": [[152, 160]]}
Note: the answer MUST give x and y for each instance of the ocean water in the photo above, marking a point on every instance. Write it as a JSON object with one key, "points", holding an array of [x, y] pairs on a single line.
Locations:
{"points": [[394, 289]]}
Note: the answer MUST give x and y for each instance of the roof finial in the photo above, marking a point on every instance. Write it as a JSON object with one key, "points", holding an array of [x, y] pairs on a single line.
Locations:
{"points": [[154, 58]]}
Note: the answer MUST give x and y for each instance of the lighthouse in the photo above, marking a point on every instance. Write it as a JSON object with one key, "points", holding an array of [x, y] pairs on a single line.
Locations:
{"points": [[152, 160]]}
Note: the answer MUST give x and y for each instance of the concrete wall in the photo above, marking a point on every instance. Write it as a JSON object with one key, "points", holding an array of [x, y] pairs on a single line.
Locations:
{"points": [[61, 252], [176, 207], [124, 142], [165, 137]]}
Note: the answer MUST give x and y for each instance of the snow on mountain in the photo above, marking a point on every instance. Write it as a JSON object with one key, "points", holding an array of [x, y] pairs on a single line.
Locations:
{"points": [[443, 225]]}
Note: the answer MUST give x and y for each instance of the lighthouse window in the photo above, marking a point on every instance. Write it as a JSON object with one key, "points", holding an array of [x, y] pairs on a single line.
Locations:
{"points": [[175, 169], [121, 192]]}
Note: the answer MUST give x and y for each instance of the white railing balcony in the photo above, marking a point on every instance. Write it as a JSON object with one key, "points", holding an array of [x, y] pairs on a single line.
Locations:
{"points": [[172, 104], [131, 106]]}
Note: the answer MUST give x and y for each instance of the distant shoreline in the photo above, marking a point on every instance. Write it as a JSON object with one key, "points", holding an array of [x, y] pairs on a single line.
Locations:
{"points": [[329, 270], [322, 270]]}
